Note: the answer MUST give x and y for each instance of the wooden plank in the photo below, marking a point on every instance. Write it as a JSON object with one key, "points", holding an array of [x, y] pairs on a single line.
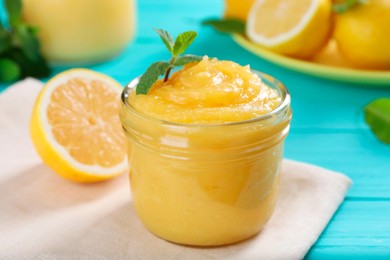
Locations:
{"points": [[357, 154], [359, 229]]}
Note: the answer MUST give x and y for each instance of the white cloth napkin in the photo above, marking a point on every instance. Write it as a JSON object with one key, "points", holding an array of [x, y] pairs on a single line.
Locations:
{"points": [[45, 216]]}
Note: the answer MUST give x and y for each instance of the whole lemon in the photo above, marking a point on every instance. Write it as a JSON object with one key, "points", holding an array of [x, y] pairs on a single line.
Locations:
{"points": [[362, 34]]}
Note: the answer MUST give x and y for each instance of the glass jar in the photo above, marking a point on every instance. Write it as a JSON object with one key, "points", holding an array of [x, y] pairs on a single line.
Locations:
{"points": [[201, 184], [81, 31]]}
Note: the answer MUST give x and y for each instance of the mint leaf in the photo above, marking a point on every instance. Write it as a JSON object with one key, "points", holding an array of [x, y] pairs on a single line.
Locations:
{"points": [[227, 25], [166, 38], [151, 75], [9, 70], [14, 10], [182, 42], [182, 60], [377, 116]]}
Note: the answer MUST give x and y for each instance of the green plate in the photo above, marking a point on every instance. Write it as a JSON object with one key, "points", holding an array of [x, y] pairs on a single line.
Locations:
{"points": [[321, 66]]}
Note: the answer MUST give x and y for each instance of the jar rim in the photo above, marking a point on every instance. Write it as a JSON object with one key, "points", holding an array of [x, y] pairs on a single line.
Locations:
{"points": [[275, 83]]}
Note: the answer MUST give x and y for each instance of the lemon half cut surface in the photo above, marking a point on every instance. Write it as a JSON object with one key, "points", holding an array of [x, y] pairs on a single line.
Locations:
{"points": [[75, 126], [298, 28]]}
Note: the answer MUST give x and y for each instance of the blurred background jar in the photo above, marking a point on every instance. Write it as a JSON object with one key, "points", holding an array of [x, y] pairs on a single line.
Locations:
{"points": [[81, 31]]}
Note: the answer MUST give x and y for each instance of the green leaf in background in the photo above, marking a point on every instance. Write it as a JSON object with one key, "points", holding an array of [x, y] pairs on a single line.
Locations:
{"points": [[227, 25], [377, 116], [341, 7], [5, 41], [182, 42], [9, 70], [19, 47], [14, 10], [166, 38], [37, 69], [28, 41], [1, 26], [151, 75], [182, 60]]}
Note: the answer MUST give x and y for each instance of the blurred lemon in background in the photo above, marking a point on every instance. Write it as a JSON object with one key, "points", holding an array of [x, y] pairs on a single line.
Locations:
{"points": [[75, 126], [362, 34], [238, 8], [81, 31], [298, 28]]}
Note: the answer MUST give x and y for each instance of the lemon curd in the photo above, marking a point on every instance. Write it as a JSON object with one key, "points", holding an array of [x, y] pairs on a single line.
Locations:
{"points": [[208, 92], [205, 151]]}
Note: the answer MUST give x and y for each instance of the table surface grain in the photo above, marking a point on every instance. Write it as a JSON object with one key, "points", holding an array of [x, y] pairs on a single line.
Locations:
{"points": [[328, 128]]}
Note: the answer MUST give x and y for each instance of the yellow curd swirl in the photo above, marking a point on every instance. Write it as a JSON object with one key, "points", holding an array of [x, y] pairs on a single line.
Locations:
{"points": [[208, 92]]}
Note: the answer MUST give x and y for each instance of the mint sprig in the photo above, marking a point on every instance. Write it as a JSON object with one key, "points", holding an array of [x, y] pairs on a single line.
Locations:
{"points": [[20, 54], [160, 68]]}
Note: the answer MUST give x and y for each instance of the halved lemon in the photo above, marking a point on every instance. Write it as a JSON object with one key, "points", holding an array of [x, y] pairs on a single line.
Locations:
{"points": [[75, 126], [238, 9], [298, 28]]}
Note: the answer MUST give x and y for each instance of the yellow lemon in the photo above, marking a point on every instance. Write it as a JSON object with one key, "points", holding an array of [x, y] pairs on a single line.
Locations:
{"points": [[362, 34], [298, 28], [238, 9], [75, 126]]}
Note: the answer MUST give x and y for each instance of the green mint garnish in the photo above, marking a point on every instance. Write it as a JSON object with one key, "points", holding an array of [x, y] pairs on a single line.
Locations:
{"points": [[166, 38], [187, 58], [226, 25], [182, 42], [377, 116], [20, 54], [161, 68], [151, 75], [345, 5]]}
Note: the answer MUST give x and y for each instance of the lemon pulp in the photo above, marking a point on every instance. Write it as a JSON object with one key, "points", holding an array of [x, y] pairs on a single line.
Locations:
{"points": [[297, 28], [75, 126]]}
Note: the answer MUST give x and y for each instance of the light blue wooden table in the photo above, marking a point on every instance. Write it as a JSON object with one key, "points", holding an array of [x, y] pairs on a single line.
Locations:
{"points": [[327, 128]]}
